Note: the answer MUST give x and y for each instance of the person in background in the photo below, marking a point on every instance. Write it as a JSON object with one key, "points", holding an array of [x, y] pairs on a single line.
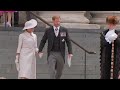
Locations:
{"points": [[110, 50], [9, 17]]}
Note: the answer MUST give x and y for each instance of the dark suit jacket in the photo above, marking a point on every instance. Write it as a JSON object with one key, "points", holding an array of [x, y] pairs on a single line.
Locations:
{"points": [[64, 37]]}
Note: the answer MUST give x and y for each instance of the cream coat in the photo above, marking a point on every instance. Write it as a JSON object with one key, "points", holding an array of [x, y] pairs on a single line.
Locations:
{"points": [[27, 47]]}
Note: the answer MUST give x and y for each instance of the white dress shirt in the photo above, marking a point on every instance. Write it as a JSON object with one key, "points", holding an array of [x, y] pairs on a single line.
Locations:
{"points": [[56, 31]]}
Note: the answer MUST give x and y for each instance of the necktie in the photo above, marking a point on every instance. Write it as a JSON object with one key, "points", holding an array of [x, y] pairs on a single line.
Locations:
{"points": [[56, 31]]}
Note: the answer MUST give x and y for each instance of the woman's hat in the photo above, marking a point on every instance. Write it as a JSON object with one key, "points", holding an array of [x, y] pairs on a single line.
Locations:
{"points": [[30, 24]]}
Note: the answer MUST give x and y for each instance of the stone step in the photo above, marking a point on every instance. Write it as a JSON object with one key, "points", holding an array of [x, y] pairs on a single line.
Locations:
{"points": [[80, 26], [98, 21], [87, 38], [104, 14]]}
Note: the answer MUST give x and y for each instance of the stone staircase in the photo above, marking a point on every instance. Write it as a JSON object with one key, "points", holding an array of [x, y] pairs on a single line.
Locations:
{"points": [[88, 38], [84, 28]]}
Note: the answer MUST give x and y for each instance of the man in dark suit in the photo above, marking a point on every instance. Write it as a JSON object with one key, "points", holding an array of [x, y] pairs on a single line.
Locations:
{"points": [[56, 36]]}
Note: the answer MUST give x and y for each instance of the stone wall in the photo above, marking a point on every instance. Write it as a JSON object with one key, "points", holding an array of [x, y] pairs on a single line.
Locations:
{"points": [[73, 19]]}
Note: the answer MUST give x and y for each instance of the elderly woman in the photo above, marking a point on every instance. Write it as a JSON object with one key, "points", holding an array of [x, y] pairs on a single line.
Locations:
{"points": [[110, 50], [26, 51]]}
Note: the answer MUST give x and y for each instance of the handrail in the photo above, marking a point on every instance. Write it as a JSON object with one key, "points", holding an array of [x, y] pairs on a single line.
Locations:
{"points": [[89, 52]]}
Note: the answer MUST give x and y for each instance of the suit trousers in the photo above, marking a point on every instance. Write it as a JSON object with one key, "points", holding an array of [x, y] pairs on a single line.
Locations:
{"points": [[56, 64]]}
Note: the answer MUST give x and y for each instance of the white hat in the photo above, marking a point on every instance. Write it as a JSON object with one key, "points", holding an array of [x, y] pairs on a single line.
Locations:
{"points": [[30, 24]]}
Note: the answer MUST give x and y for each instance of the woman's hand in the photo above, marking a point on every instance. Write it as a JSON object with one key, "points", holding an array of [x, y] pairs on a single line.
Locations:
{"points": [[17, 57]]}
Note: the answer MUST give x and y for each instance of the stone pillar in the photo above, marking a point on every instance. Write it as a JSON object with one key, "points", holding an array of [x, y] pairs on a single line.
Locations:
{"points": [[23, 18], [99, 17], [23, 15], [70, 19]]}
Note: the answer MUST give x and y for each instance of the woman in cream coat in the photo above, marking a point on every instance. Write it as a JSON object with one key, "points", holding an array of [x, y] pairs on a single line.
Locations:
{"points": [[26, 51]]}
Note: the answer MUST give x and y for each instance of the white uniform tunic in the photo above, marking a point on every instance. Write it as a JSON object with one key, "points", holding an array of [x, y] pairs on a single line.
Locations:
{"points": [[27, 47]]}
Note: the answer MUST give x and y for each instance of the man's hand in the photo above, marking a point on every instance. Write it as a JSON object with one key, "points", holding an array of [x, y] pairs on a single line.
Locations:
{"points": [[70, 55], [40, 54]]}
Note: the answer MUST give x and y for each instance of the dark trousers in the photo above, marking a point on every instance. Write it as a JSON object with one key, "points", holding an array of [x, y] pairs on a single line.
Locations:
{"points": [[16, 18]]}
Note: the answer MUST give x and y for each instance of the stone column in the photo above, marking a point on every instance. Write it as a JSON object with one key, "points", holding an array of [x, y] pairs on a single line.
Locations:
{"points": [[99, 17], [70, 19], [24, 16]]}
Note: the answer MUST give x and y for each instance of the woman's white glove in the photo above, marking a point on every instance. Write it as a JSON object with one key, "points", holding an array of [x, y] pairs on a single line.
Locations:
{"points": [[36, 50], [17, 62]]}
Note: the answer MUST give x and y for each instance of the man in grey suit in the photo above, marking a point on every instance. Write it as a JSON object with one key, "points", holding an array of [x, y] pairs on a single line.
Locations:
{"points": [[56, 36]]}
